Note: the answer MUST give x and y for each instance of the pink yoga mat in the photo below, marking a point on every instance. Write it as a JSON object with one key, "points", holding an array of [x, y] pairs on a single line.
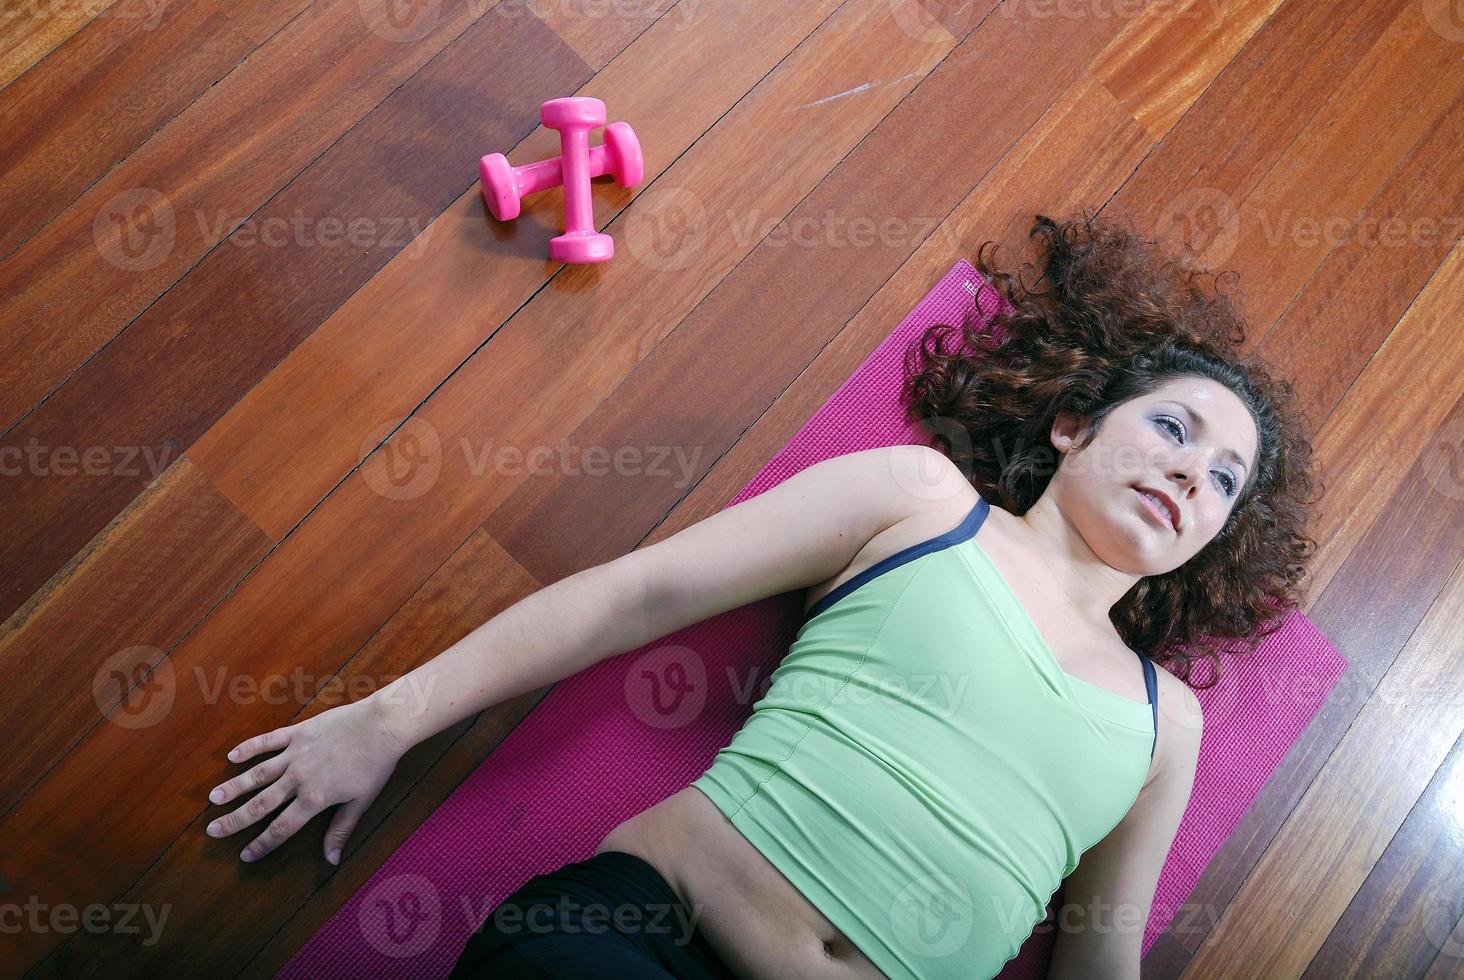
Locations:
{"points": [[598, 750]]}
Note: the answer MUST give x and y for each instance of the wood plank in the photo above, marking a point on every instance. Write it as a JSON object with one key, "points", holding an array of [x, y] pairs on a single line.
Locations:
{"points": [[379, 840], [1165, 57], [182, 364], [31, 34], [803, 289], [103, 620], [218, 921], [1401, 565], [1261, 101], [1324, 181], [1342, 823], [213, 174], [1449, 964], [324, 590], [1369, 443], [1401, 917], [724, 356], [100, 95], [1008, 180], [1367, 282], [292, 437]]}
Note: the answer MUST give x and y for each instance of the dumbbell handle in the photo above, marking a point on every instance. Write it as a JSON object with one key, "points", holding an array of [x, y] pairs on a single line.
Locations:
{"points": [[574, 153], [541, 176]]}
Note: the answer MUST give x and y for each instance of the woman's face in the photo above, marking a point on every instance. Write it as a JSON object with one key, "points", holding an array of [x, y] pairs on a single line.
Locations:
{"points": [[1191, 439]]}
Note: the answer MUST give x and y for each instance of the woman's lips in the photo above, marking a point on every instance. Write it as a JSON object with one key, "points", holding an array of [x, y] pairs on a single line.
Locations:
{"points": [[1156, 510]]}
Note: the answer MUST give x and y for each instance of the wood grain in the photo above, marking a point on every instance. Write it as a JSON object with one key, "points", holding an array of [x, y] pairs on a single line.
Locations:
{"points": [[112, 613], [291, 438], [191, 356], [306, 454], [98, 97]]}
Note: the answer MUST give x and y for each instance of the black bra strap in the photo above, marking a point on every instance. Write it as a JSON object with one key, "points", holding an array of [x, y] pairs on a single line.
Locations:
{"points": [[1150, 684]]}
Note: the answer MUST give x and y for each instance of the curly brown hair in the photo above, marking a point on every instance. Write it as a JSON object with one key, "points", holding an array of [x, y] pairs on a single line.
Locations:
{"points": [[1119, 318]]}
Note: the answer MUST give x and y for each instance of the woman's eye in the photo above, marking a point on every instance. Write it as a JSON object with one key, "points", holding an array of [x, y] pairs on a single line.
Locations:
{"points": [[1229, 484], [1175, 427]]}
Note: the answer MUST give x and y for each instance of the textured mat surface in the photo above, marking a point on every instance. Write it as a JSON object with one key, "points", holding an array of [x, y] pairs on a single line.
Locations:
{"points": [[629, 731]]}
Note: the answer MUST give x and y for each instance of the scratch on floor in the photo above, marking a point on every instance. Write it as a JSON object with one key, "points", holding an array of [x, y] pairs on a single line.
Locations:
{"points": [[856, 90]]}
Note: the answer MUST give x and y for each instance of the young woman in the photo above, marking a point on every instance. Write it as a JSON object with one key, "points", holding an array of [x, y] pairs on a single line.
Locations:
{"points": [[970, 705]]}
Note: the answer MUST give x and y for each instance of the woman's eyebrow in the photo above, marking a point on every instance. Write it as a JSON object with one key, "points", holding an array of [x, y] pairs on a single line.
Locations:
{"points": [[1198, 421]]}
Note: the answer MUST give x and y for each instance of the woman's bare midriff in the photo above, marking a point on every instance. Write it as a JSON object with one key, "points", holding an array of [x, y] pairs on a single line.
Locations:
{"points": [[753, 917]]}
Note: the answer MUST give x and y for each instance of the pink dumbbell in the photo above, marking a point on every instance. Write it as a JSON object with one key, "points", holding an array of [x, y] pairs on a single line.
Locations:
{"points": [[578, 162]]}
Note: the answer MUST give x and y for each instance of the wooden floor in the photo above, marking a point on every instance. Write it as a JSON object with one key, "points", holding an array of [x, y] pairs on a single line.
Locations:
{"points": [[241, 245]]}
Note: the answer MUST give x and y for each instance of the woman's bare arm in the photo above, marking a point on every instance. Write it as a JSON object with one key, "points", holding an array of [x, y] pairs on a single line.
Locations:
{"points": [[799, 533], [794, 535]]}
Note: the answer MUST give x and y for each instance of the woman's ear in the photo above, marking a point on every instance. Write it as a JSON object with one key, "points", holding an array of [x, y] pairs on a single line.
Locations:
{"points": [[1065, 430]]}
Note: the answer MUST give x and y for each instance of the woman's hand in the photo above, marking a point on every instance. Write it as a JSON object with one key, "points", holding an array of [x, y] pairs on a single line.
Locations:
{"points": [[344, 755]]}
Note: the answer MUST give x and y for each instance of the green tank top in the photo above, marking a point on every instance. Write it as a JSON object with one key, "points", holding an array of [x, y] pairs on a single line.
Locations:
{"points": [[923, 771]]}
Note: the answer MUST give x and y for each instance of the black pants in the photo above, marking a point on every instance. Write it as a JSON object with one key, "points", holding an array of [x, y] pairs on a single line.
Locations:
{"points": [[610, 915]]}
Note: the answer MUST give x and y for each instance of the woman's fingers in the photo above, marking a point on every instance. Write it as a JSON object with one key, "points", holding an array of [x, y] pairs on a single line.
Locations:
{"points": [[296, 815], [340, 829], [266, 772], [251, 812], [268, 742]]}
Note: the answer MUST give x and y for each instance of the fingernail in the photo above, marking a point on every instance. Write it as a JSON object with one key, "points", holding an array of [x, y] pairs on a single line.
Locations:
{"points": [[217, 796], [233, 753], [334, 857], [246, 855]]}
